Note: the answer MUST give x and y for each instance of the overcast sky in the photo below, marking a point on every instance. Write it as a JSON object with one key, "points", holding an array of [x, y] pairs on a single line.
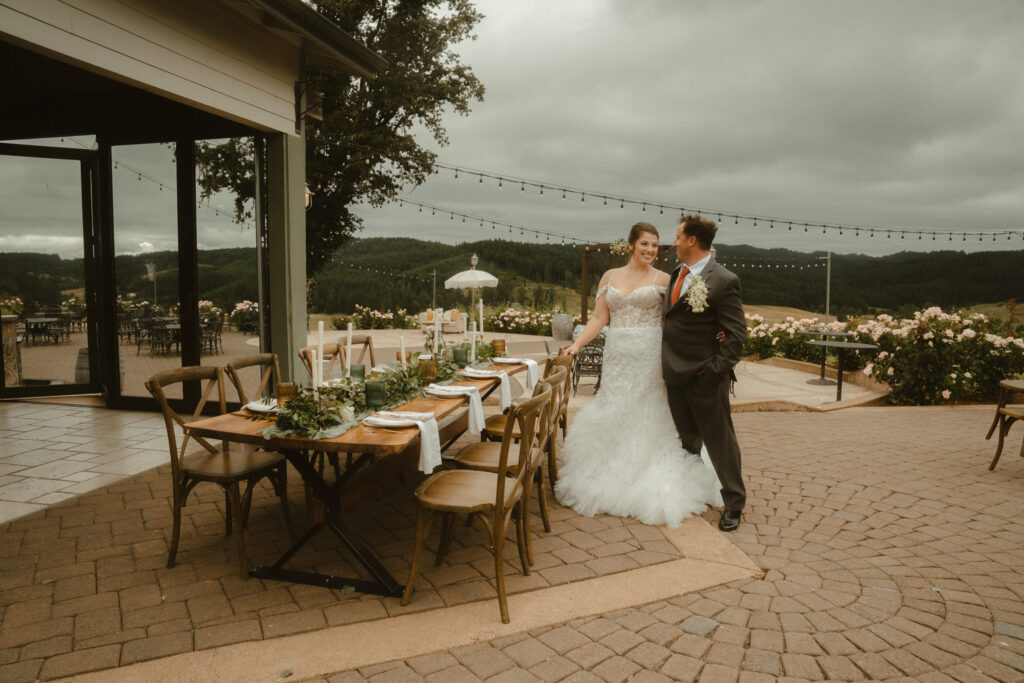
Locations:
{"points": [[883, 114]]}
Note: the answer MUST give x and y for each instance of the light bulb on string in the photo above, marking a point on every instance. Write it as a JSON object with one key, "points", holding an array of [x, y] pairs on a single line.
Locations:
{"points": [[583, 197], [456, 174], [644, 209], [622, 204], [771, 225], [522, 188], [542, 189], [736, 220], [661, 211], [606, 201], [481, 179], [790, 227], [499, 183], [563, 195]]}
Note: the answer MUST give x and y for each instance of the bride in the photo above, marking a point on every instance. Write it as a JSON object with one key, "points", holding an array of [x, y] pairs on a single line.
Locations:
{"points": [[622, 454]]}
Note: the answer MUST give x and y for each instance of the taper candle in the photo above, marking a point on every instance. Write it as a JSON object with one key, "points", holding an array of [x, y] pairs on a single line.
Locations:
{"points": [[348, 352], [320, 345], [401, 342], [472, 342]]}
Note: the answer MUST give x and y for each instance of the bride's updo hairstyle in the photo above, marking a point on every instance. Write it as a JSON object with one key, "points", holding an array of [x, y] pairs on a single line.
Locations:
{"points": [[639, 229]]}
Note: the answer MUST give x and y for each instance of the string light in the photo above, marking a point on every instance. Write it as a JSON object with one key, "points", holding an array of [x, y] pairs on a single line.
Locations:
{"points": [[537, 232], [644, 202]]}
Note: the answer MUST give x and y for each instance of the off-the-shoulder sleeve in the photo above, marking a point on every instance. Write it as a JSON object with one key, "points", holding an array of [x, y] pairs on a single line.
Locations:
{"points": [[602, 290]]}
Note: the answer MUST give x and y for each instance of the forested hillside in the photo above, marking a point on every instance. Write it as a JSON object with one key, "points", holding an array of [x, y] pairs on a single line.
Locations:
{"points": [[398, 273]]}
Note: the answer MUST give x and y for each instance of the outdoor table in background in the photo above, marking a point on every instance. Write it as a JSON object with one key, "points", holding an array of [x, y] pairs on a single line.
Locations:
{"points": [[824, 352], [382, 455], [842, 347], [36, 327]]}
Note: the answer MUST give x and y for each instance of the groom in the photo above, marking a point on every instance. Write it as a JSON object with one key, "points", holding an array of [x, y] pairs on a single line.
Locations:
{"points": [[703, 298]]}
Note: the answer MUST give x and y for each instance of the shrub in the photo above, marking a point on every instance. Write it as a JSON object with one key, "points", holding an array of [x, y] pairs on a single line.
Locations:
{"points": [[936, 357], [11, 305], [523, 321], [928, 359], [245, 315], [366, 318]]}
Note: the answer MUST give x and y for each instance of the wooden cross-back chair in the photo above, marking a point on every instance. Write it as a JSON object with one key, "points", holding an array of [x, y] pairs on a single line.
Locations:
{"points": [[494, 497], [1006, 414], [270, 374], [215, 464], [334, 352], [495, 424], [485, 456]]}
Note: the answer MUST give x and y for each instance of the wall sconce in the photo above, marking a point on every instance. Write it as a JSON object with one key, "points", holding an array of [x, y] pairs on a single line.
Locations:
{"points": [[309, 197]]}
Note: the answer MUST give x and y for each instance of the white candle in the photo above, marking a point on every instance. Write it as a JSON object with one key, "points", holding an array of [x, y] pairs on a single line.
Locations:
{"points": [[472, 343], [320, 344], [348, 353], [437, 329], [481, 318], [315, 375], [401, 341]]}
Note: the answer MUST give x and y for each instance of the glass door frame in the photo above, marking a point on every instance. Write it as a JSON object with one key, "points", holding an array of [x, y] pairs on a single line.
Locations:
{"points": [[88, 160]]}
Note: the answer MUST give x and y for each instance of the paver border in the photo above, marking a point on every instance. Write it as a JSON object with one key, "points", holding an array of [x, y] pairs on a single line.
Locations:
{"points": [[709, 559]]}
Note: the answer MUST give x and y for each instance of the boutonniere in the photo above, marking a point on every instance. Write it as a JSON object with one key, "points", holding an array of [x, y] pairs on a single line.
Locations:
{"points": [[697, 294]]}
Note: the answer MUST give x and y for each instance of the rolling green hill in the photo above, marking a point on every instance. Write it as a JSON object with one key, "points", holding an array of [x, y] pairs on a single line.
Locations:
{"points": [[391, 273]]}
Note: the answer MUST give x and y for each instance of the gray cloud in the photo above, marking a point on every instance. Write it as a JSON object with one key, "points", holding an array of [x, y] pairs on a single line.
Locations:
{"points": [[871, 113], [894, 114]]}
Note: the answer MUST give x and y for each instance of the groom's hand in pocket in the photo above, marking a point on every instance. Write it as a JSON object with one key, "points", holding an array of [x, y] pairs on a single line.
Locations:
{"points": [[720, 336]]}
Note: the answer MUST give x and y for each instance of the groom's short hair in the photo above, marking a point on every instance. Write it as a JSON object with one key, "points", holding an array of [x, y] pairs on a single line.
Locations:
{"points": [[701, 228]]}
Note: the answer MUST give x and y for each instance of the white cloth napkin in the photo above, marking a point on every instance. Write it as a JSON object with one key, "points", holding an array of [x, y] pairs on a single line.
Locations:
{"points": [[476, 405], [430, 438], [506, 389], [531, 369]]}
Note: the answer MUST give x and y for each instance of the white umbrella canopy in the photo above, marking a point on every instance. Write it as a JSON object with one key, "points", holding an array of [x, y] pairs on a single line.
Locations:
{"points": [[471, 279]]}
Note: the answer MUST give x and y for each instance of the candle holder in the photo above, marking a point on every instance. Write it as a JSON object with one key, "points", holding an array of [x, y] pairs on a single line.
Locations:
{"points": [[428, 369], [286, 391], [461, 357], [408, 356], [357, 371], [375, 394], [499, 347]]}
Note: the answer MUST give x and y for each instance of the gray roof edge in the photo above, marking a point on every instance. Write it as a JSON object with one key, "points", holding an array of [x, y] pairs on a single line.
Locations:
{"points": [[313, 26]]}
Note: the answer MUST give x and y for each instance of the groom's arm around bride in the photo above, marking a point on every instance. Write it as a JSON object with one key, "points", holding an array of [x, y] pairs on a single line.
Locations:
{"points": [[703, 298]]}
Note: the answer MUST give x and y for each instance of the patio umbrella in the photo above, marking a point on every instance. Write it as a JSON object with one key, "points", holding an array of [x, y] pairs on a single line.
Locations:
{"points": [[471, 279]]}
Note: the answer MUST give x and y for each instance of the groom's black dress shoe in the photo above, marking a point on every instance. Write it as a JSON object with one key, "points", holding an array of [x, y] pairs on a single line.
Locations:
{"points": [[730, 520]]}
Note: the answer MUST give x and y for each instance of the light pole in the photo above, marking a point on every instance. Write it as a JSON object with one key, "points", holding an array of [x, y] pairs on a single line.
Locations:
{"points": [[828, 282]]}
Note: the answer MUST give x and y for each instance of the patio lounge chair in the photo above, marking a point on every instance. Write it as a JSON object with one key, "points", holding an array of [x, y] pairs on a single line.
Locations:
{"points": [[454, 322]]}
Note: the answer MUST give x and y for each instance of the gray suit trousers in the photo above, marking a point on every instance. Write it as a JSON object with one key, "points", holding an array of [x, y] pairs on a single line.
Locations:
{"points": [[701, 412]]}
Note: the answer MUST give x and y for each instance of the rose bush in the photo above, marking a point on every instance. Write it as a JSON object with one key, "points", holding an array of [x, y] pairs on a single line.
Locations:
{"points": [[523, 321], [936, 357], [245, 315], [929, 359], [366, 318]]}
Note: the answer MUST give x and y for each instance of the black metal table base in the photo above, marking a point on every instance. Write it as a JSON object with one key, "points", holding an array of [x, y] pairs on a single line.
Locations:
{"points": [[381, 584]]}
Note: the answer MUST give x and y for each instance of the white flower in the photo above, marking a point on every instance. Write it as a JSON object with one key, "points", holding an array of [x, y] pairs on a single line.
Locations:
{"points": [[889, 372], [697, 295], [946, 394]]}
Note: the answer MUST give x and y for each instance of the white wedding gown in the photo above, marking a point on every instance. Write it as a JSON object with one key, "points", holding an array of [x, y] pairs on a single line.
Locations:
{"points": [[622, 453]]}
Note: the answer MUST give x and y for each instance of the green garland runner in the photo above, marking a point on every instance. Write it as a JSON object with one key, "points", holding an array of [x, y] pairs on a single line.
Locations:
{"points": [[333, 410]]}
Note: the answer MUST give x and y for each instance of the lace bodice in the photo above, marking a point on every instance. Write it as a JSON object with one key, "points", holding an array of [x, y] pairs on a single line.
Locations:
{"points": [[640, 308]]}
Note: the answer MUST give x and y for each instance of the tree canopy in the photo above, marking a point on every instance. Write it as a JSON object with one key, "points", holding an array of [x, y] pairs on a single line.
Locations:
{"points": [[365, 149]]}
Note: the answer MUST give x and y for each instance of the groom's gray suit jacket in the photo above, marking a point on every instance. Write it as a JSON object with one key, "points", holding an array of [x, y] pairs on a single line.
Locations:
{"points": [[688, 339]]}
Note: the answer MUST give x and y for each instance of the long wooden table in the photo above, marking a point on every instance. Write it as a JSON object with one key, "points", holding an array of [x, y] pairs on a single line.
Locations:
{"points": [[383, 454]]}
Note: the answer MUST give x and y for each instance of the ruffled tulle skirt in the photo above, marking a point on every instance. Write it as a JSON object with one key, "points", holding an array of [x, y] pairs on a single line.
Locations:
{"points": [[622, 455]]}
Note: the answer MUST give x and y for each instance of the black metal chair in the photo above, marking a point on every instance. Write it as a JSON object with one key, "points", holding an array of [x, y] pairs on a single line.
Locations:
{"points": [[589, 361]]}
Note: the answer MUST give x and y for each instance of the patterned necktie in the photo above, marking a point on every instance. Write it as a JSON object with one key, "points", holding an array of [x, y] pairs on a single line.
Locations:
{"points": [[679, 284]]}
